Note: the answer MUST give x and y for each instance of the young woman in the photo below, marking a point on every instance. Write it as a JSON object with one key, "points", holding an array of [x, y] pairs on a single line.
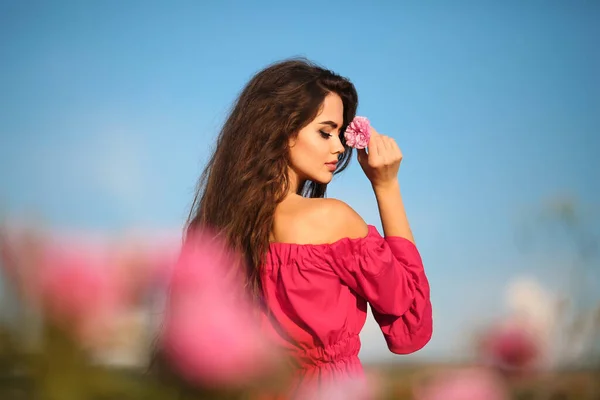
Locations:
{"points": [[313, 264]]}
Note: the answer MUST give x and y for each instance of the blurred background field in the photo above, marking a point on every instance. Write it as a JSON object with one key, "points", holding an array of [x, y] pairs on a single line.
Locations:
{"points": [[108, 111]]}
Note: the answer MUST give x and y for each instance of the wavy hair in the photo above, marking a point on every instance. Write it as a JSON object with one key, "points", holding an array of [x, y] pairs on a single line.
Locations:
{"points": [[246, 176]]}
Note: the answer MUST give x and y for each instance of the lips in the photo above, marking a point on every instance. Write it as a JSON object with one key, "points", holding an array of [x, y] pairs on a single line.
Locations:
{"points": [[331, 165]]}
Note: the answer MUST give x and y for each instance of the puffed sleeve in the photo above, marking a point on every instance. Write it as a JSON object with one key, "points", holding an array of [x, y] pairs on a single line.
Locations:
{"points": [[388, 273]]}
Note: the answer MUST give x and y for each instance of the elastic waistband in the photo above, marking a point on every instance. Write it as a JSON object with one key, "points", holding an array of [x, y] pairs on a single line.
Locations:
{"points": [[345, 349]]}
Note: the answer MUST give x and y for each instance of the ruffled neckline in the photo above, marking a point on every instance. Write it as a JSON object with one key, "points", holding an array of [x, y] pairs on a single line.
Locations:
{"points": [[321, 255]]}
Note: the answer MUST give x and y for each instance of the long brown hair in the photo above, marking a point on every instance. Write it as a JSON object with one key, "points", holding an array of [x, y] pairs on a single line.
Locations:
{"points": [[246, 177]]}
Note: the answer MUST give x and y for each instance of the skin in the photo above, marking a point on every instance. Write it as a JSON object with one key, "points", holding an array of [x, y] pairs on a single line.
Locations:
{"points": [[317, 144], [315, 221]]}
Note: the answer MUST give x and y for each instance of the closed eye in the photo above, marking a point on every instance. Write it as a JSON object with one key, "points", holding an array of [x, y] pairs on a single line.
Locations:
{"points": [[325, 135]]}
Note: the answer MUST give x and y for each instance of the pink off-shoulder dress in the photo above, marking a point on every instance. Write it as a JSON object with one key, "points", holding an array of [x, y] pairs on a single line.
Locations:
{"points": [[317, 299]]}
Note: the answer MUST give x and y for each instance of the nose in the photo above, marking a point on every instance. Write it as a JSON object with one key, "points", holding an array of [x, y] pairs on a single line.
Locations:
{"points": [[337, 146]]}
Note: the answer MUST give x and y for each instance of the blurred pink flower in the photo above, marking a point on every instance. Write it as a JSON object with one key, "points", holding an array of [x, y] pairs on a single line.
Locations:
{"points": [[510, 346], [19, 251], [81, 287], [465, 384], [366, 387], [358, 133], [73, 289], [77, 280], [210, 334]]}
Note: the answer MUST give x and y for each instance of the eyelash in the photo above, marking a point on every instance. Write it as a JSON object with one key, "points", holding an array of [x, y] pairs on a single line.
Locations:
{"points": [[325, 135]]}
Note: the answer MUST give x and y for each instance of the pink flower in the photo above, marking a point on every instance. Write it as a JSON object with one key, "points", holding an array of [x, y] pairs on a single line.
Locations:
{"points": [[358, 133], [76, 280], [368, 387], [81, 288], [19, 250], [210, 334], [71, 289], [511, 346], [466, 384]]}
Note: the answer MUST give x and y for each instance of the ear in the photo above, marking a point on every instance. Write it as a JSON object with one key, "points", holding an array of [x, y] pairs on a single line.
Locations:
{"points": [[292, 141]]}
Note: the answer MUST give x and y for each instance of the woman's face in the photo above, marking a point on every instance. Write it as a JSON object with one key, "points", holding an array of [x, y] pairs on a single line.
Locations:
{"points": [[314, 152]]}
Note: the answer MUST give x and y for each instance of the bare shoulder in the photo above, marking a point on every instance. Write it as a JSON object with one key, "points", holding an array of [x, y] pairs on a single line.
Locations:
{"points": [[317, 221], [341, 220]]}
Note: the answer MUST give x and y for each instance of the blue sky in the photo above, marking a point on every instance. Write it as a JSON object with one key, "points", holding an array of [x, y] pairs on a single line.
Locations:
{"points": [[109, 109]]}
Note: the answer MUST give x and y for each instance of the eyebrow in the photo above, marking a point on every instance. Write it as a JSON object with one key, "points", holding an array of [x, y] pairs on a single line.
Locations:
{"points": [[331, 123]]}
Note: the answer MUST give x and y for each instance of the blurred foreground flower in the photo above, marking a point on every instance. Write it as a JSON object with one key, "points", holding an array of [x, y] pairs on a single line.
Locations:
{"points": [[80, 285], [211, 336], [369, 387], [511, 346], [465, 384], [95, 289]]}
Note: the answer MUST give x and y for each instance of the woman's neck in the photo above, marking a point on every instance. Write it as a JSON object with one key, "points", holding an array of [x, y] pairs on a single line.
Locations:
{"points": [[295, 182]]}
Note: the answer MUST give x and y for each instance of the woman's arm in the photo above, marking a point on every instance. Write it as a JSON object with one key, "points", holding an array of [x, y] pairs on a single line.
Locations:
{"points": [[381, 165], [392, 213]]}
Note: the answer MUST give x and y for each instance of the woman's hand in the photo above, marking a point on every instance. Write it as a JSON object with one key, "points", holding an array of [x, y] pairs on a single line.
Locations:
{"points": [[381, 164], [382, 161]]}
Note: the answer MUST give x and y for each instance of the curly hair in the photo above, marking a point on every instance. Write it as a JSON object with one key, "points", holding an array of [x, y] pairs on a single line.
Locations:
{"points": [[246, 177]]}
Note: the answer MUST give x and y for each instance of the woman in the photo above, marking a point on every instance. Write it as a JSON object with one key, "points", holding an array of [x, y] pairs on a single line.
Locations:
{"points": [[312, 262]]}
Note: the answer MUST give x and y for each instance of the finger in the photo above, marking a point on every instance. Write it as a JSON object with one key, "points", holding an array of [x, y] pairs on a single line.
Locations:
{"points": [[387, 143], [380, 145], [373, 140], [396, 148], [362, 155]]}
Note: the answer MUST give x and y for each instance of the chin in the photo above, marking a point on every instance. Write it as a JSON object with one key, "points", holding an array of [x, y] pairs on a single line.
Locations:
{"points": [[323, 180]]}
